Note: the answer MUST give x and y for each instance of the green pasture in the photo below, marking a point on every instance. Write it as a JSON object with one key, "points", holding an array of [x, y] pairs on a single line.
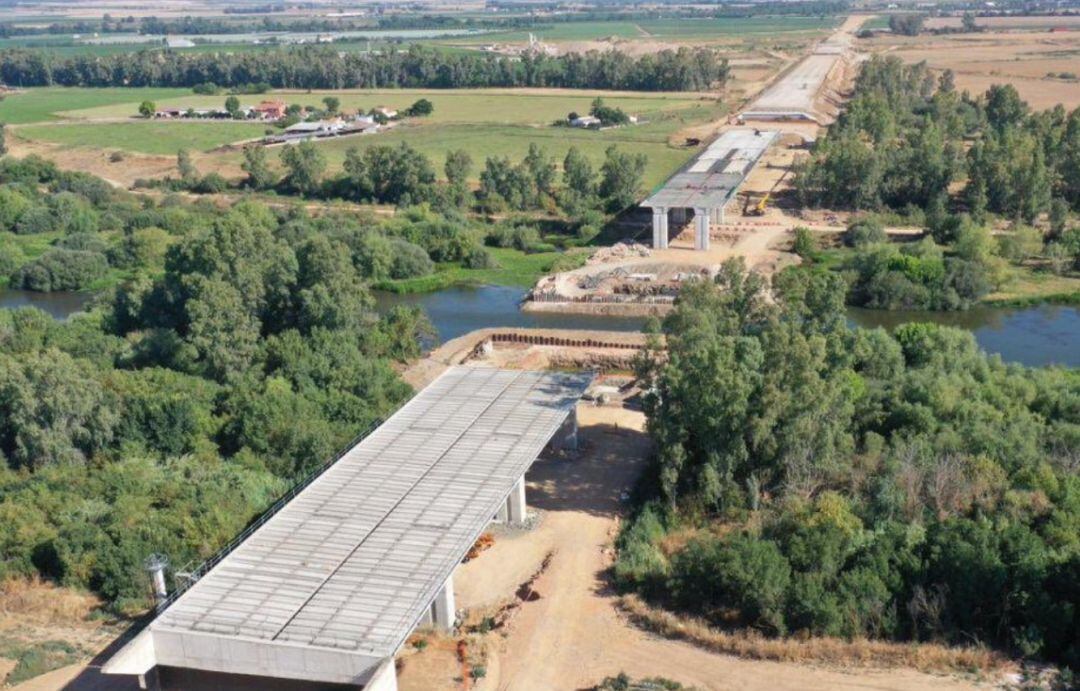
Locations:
{"points": [[451, 105], [483, 141], [671, 29], [146, 136], [41, 104]]}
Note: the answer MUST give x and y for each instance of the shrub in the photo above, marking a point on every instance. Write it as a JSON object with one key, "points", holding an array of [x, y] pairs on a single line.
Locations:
{"points": [[520, 237], [212, 183], [409, 260], [61, 269], [11, 257], [740, 572], [479, 258], [863, 232], [641, 563], [804, 244], [35, 220], [87, 242]]}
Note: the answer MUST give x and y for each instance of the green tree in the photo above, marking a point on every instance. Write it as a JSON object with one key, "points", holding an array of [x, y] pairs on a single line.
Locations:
{"points": [[1004, 107], [541, 168], [579, 178], [188, 173], [620, 178], [232, 107], [257, 166], [421, 108], [221, 328], [457, 169], [147, 109], [332, 103], [304, 165], [53, 410]]}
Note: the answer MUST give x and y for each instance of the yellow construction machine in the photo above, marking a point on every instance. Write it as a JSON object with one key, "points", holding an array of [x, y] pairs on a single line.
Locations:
{"points": [[750, 208]]}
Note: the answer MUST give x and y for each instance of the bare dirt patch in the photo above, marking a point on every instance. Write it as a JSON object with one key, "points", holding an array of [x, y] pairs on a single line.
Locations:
{"points": [[37, 617]]}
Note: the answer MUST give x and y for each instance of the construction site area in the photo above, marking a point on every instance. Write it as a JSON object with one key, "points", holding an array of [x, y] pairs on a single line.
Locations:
{"points": [[728, 201]]}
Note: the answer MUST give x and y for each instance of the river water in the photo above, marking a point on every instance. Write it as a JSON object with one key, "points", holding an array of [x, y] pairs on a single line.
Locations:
{"points": [[1039, 335], [59, 304]]}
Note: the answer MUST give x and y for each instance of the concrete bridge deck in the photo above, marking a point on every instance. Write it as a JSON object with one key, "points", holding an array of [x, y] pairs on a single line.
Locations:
{"points": [[329, 588]]}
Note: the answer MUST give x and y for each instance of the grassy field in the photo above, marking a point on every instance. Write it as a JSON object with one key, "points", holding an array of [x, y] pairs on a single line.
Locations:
{"points": [[672, 29], [451, 106], [483, 140], [39, 105], [146, 136], [1034, 286], [496, 122]]}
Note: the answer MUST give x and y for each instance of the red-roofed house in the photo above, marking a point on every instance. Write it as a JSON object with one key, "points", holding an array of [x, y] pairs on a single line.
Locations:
{"points": [[270, 110]]}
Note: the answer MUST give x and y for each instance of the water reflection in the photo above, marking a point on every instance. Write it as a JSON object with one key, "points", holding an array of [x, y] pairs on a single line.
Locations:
{"points": [[1037, 335], [59, 305], [457, 311]]}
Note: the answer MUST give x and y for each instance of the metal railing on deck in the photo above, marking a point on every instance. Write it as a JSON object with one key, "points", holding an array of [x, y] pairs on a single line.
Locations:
{"points": [[192, 576]]}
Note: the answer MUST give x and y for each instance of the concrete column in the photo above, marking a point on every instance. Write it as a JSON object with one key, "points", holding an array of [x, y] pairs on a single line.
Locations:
{"points": [[566, 438], [720, 215], [442, 609], [151, 681], [701, 229], [659, 228], [515, 503], [385, 677]]}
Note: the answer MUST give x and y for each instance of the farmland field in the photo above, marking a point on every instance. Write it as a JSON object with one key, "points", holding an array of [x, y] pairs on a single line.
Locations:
{"points": [[483, 141], [146, 136], [671, 29], [37, 105], [464, 105], [492, 122], [1023, 59]]}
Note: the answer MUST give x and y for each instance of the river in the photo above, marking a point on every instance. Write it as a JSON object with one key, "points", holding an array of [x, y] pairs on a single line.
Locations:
{"points": [[1038, 335]]}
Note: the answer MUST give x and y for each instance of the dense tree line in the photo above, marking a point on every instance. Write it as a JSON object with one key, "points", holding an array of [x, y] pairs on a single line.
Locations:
{"points": [[901, 142], [217, 25], [684, 69], [241, 352], [403, 176], [856, 483]]}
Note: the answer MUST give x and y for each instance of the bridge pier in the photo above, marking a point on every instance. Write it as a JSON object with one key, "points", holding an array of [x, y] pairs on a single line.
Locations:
{"points": [[443, 612], [701, 228], [515, 504], [660, 228]]}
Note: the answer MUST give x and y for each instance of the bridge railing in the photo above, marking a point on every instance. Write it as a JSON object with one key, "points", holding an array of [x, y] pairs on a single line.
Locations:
{"points": [[191, 576]]}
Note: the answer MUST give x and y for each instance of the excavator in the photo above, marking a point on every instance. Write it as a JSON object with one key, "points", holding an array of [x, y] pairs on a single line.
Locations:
{"points": [[758, 209]]}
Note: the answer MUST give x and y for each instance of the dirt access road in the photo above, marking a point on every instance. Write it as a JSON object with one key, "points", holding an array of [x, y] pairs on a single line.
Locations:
{"points": [[572, 636]]}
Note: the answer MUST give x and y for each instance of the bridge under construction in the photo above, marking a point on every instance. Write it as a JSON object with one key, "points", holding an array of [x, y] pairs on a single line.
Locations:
{"points": [[326, 591]]}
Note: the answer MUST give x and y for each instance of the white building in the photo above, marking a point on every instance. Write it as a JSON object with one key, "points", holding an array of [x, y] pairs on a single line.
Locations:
{"points": [[585, 121]]}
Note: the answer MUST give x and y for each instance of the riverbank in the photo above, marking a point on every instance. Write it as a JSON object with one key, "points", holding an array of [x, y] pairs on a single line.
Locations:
{"points": [[511, 267]]}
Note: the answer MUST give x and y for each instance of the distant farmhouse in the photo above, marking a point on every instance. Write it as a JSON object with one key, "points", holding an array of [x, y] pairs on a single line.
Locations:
{"points": [[271, 110]]}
